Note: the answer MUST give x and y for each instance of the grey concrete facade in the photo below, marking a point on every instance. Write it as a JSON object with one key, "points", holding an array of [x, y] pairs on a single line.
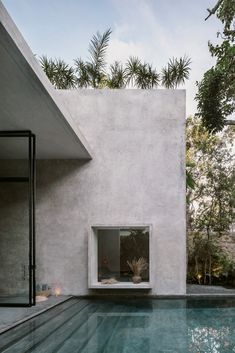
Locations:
{"points": [[136, 177]]}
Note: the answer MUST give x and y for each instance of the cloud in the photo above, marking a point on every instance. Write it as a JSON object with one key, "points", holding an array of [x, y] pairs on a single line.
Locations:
{"points": [[138, 30], [121, 50], [153, 30], [142, 31]]}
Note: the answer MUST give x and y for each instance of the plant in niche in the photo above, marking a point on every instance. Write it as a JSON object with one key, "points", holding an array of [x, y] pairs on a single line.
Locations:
{"points": [[137, 267]]}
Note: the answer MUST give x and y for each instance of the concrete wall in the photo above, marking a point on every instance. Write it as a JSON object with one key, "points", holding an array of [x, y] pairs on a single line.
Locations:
{"points": [[136, 177]]}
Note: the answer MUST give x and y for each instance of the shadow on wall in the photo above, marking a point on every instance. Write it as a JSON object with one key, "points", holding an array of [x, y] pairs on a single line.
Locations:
{"points": [[53, 171], [50, 174]]}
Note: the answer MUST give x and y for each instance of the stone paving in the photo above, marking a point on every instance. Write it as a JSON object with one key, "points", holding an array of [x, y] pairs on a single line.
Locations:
{"points": [[210, 290]]}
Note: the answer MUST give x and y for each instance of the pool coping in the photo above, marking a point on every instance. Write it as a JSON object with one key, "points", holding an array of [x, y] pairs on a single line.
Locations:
{"points": [[160, 296]]}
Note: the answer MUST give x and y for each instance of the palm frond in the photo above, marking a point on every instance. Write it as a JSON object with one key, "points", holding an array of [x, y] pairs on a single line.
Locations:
{"points": [[132, 67], [48, 66], [117, 76], [97, 49], [183, 69], [64, 77], [154, 77], [141, 75], [167, 78], [59, 73], [176, 72], [83, 77], [147, 77]]}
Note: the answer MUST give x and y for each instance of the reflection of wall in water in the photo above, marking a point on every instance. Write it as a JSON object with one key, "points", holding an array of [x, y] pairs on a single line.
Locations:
{"points": [[143, 326]]}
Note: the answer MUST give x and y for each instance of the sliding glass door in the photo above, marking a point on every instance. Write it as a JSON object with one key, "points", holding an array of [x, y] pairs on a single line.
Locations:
{"points": [[17, 218]]}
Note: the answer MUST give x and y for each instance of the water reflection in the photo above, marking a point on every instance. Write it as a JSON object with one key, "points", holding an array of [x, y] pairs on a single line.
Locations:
{"points": [[164, 326], [138, 326], [123, 333], [211, 340], [130, 326]]}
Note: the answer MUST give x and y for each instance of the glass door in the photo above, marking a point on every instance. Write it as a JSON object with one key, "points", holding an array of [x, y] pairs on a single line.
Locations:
{"points": [[17, 218]]}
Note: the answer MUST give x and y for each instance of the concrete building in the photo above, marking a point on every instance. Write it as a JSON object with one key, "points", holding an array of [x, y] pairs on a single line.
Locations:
{"points": [[110, 166]]}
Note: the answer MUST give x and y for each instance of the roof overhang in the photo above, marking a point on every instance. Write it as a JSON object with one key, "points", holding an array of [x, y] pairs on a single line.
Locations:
{"points": [[28, 101]]}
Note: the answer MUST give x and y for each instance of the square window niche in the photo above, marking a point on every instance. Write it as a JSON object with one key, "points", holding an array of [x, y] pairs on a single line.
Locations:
{"points": [[119, 257]]}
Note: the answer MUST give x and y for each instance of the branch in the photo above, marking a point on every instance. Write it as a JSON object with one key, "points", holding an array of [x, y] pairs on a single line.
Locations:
{"points": [[197, 196], [229, 122], [215, 8], [229, 32]]}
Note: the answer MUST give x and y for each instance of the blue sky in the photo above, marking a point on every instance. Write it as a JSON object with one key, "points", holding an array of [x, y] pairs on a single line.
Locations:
{"points": [[154, 30]]}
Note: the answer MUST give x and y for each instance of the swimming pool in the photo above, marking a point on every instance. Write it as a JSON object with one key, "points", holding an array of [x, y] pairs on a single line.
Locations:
{"points": [[128, 326]]}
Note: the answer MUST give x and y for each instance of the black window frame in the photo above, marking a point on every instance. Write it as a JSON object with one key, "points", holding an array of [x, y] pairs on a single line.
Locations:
{"points": [[31, 180]]}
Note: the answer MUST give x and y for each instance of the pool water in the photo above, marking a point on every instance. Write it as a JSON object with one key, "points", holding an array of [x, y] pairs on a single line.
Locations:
{"points": [[128, 326]]}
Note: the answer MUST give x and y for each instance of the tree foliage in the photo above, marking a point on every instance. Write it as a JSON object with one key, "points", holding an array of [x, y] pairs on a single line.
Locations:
{"points": [[176, 72], [95, 72], [212, 164], [211, 202], [59, 73], [117, 76], [92, 73], [216, 91]]}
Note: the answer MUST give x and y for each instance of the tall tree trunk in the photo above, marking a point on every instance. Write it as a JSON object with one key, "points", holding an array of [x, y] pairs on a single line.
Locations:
{"points": [[209, 269], [205, 270]]}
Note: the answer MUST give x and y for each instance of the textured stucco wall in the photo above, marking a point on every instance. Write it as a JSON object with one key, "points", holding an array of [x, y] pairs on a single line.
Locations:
{"points": [[136, 177]]}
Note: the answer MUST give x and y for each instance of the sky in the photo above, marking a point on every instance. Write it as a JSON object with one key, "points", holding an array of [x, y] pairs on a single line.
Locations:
{"points": [[153, 30]]}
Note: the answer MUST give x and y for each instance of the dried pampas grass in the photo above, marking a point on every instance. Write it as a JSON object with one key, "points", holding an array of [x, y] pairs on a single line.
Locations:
{"points": [[138, 266]]}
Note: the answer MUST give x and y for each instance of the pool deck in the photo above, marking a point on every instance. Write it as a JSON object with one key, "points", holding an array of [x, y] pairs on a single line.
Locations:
{"points": [[205, 290], [12, 316]]}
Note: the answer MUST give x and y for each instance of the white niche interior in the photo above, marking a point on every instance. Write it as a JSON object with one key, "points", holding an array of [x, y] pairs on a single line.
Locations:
{"points": [[110, 250]]}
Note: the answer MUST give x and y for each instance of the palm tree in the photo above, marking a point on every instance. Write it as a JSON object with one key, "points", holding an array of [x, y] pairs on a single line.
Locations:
{"points": [[59, 73], [132, 67], [48, 66], [141, 75], [147, 77], [176, 72], [83, 77], [92, 73], [117, 77], [134, 73]]}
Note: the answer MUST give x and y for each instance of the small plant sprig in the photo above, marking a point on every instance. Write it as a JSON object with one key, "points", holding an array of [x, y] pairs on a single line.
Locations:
{"points": [[138, 266]]}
